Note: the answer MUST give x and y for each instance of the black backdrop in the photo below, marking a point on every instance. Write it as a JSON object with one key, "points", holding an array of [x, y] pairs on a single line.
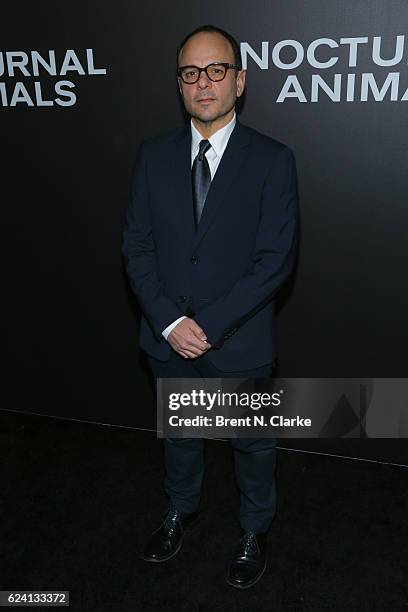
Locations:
{"points": [[71, 322]]}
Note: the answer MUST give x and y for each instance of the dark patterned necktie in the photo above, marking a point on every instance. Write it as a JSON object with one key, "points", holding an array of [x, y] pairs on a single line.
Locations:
{"points": [[201, 179]]}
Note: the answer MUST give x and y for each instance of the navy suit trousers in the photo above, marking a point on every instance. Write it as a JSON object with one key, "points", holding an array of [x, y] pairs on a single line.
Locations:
{"points": [[254, 458]]}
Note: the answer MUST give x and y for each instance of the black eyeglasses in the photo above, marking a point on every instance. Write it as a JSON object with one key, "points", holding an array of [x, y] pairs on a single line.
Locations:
{"points": [[215, 72]]}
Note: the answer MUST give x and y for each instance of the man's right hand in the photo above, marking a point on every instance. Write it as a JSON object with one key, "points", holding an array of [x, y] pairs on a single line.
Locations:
{"points": [[188, 339]]}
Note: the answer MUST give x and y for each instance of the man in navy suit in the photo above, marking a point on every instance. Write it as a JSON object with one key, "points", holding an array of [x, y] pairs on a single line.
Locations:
{"points": [[210, 237]]}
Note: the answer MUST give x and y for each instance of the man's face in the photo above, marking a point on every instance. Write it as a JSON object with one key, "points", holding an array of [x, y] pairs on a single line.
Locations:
{"points": [[207, 100]]}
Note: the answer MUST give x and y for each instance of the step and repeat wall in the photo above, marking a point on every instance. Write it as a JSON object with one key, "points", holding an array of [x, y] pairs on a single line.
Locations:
{"points": [[82, 85]]}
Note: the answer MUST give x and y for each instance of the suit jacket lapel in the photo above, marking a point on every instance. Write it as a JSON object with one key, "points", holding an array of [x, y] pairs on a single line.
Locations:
{"points": [[181, 171]]}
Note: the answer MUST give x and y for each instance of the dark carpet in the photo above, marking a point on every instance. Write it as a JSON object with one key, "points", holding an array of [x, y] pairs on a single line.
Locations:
{"points": [[79, 500]]}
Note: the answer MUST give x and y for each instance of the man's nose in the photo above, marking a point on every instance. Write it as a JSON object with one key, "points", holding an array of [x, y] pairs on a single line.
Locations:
{"points": [[203, 81]]}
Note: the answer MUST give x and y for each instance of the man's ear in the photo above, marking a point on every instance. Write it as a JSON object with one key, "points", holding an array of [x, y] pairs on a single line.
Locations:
{"points": [[179, 85], [241, 76]]}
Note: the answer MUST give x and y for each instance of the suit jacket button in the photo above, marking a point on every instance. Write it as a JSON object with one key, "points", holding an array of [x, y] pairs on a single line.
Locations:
{"points": [[194, 259], [182, 298]]}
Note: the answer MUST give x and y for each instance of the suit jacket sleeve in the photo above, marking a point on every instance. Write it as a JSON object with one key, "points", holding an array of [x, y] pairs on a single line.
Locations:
{"points": [[139, 251], [275, 249]]}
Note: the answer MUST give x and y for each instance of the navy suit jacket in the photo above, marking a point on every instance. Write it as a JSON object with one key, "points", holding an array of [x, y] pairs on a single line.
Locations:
{"points": [[226, 274]]}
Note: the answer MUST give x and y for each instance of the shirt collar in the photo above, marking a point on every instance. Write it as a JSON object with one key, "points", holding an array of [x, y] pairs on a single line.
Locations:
{"points": [[218, 140]]}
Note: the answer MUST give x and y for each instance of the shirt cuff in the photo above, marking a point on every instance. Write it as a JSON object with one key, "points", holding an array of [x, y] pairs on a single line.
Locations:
{"points": [[170, 327]]}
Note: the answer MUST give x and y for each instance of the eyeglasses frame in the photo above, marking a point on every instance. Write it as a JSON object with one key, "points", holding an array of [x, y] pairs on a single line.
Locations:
{"points": [[226, 65]]}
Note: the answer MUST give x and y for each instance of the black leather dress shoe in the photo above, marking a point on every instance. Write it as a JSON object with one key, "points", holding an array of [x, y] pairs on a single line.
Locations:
{"points": [[167, 540], [249, 561]]}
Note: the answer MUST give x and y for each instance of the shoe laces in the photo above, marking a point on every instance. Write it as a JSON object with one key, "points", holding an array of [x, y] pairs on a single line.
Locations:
{"points": [[171, 519], [249, 543]]}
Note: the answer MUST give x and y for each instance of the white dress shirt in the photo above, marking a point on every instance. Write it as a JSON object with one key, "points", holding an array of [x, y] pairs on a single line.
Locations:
{"points": [[218, 142]]}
